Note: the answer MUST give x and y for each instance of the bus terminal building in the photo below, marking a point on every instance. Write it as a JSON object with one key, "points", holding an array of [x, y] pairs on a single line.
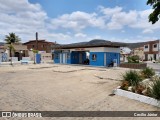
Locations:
{"points": [[96, 52]]}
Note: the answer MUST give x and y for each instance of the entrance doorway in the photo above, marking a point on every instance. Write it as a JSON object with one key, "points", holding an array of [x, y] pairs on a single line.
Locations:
{"points": [[155, 56], [146, 57], [60, 57], [80, 58], [64, 58], [17, 55]]}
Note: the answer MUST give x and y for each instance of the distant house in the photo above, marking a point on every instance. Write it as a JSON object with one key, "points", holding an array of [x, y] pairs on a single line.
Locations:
{"points": [[139, 52], [124, 54], [1, 47], [41, 45], [152, 50], [18, 52], [2, 50]]}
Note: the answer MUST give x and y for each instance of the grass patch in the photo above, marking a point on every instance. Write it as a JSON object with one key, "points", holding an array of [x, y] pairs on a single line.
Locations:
{"points": [[132, 77], [147, 72], [154, 90]]}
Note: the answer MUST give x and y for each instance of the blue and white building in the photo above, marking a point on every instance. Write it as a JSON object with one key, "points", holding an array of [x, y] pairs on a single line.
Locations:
{"points": [[99, 53]]}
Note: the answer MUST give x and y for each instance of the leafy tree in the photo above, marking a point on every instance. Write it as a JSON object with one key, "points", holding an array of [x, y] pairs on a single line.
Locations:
{"points": [[155, 15], [11, 39]]}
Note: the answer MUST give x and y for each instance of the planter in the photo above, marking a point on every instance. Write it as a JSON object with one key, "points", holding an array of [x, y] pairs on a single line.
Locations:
{"points": [[138, 97], [134, 65]]}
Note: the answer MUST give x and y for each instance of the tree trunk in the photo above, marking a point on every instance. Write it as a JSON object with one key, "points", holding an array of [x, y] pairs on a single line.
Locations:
{"points": [[11, 54]]}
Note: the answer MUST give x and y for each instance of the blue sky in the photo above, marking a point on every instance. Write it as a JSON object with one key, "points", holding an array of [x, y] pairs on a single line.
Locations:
{"points": [[68, 21], [59, 7]]}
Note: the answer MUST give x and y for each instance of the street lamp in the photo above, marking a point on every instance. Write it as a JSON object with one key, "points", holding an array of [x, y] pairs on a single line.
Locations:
{"points": [[21, 54]]}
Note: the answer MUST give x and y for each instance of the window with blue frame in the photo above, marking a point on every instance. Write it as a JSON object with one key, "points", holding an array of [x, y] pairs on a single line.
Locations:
{"points": [[94, 57]]}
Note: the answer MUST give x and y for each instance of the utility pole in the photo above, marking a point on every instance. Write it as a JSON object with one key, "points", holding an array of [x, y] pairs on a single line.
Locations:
{"points": [[36, 40]]}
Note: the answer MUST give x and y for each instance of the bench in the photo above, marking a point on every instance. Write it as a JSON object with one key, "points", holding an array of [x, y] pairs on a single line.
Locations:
{"points": [[24, 61]]}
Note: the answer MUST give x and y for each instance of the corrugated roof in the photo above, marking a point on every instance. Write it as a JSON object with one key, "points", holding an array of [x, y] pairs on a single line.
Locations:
{"points": [[92, 43], [18, 46], [44, 41]]}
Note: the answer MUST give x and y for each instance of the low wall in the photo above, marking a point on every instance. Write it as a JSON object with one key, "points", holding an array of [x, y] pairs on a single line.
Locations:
{"points": [[134, 65], [46, 57], [138, 97]]}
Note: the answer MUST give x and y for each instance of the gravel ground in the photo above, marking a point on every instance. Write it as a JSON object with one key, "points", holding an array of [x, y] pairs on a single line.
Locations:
{"points": [[50, 87]]}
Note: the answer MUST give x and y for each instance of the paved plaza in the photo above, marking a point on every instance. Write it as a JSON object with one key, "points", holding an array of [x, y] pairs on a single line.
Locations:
{"points": [[51, 87]]}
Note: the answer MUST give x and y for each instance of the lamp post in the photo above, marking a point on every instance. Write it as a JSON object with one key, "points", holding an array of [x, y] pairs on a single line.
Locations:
{"points": [[21, 54]]}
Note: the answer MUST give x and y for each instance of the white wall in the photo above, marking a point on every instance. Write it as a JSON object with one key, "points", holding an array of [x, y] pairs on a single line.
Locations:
{"points": [[46, 57], [149, 56], [155, 49], [100, 49], [108, 49], [157, 57], [146, 49]]}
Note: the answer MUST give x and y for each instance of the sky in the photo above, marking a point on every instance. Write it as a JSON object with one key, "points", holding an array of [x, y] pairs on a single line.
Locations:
{"points": [[71, 21]]}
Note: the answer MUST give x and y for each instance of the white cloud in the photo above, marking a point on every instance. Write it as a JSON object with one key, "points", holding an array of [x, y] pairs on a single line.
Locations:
{"points": [[78, 21], [10, 6], [110, 11], [118, 19], [22, 17], [143, 23], [58, 36], [146, 31], [81, 35], [25, 18], [142, 20]]}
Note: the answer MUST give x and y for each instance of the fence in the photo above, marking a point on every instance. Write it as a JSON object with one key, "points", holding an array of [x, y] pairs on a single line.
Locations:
{"points": [[134, 65]]}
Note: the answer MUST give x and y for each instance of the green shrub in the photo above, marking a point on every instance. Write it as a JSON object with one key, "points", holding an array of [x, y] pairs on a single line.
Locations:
{"points": [[154, 90], [133, 59], [132, 77], [147, 72]]}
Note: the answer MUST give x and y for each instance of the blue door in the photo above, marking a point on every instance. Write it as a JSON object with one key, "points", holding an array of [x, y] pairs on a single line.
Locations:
{"points": [[38, 58]]}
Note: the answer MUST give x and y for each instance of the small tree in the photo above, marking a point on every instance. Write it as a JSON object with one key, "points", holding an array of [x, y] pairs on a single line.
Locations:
{"points": [[133, 59], [34, 51]]}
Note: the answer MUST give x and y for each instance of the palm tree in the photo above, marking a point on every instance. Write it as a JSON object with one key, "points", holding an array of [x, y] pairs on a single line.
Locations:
{"points": [[11, 39]]}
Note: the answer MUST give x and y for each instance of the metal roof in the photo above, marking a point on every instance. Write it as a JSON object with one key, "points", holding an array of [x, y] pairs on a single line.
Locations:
{"points": [[40, 41], [92, 43]]}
